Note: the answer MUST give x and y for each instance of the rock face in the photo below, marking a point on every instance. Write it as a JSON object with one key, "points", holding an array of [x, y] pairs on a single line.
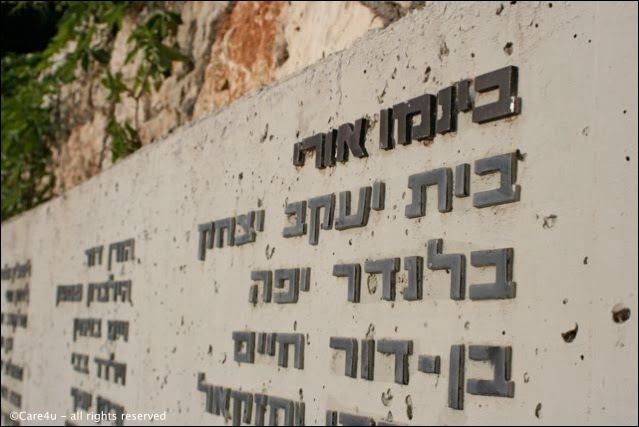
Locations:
{"points": [[235, 47]]}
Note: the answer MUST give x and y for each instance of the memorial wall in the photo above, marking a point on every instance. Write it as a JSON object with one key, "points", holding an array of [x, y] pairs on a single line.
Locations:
{"points": [[435, 226]]}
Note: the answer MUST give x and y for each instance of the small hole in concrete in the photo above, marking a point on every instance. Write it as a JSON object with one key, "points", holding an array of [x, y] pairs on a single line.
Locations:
{"points": [[387, 397], [620, 313], [409, 407], [570, 335], [508, 48], [426, 74], [538, 411], [549, 221]]}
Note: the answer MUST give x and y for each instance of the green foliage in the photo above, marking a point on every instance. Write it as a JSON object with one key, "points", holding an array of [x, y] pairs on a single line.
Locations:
{"points": [[124, 139], [31, 86], [27, 135], [115, 85], [80, 22], [156, 56]]}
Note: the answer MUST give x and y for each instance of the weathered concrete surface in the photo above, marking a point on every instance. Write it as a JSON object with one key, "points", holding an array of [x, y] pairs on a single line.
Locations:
{"points": [[574, 234]]}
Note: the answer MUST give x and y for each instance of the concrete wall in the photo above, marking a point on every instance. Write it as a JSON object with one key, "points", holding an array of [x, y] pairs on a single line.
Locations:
{"points": [[573, 233]]}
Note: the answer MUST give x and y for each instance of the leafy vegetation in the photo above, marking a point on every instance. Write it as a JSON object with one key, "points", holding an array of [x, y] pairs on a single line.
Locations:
{"points": [[31, 85]]}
